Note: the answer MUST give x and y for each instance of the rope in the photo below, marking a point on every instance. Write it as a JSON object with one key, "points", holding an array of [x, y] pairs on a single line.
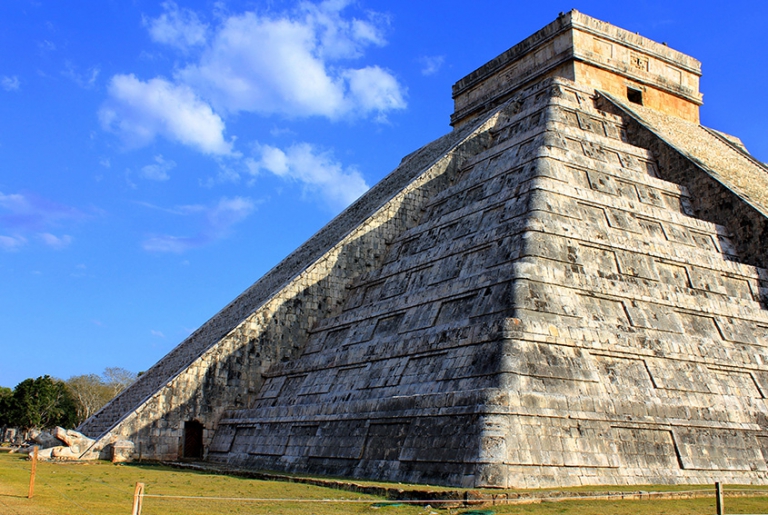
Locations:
{"points": [[42, 484], [756, 493], [3, 505], [256, 499], [73, 502], [726, 492]]}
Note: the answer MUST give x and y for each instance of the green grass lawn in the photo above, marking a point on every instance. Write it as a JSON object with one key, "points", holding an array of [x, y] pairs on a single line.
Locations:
{"points": [[104, 489]]}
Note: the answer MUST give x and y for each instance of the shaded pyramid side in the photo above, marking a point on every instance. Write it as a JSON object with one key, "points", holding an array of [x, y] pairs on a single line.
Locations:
{"points": [[220, 365], [558, 316], [727, 184]]}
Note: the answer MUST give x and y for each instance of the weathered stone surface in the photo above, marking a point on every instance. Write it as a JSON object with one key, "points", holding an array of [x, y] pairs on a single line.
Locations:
{"points": [[66, 453], [562, 291], [44, 454], [72, 439], [75, 446], [45, 439], [123, 451], [12, 435], [590, 52]]}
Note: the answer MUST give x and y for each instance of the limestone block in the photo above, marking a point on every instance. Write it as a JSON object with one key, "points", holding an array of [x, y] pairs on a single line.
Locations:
{"points": [[65, 453], [45, 439], [72, 438]]}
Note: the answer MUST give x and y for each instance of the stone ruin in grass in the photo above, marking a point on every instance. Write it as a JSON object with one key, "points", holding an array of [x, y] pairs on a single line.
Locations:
{"points": [[68, 445]]}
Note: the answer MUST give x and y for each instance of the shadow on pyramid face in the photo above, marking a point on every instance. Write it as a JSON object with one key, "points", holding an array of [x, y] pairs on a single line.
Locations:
{"points": [[741, 228]]}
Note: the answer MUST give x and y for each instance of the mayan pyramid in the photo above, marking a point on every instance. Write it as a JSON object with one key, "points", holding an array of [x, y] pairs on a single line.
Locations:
{"points": [[568, 288]]}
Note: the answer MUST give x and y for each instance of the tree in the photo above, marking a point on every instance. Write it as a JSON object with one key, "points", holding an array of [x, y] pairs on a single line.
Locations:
{"points": [[118, 379], [6, 396], [90, 394], [42, 403], [45, 402]]}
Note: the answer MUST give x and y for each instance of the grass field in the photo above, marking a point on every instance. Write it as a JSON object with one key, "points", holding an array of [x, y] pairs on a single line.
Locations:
{"points": [[105, 489]]}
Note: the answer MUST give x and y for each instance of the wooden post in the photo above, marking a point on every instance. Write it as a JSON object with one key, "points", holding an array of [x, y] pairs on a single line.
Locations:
{"points": [[719, 499], [138, 497], [32, 475]]}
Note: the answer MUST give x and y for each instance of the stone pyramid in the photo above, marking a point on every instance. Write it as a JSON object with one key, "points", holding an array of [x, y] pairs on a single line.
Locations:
{"points": [[568, 288]]}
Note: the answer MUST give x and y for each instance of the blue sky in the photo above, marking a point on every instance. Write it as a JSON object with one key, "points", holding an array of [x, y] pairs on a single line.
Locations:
{"points": [[156, 158]]}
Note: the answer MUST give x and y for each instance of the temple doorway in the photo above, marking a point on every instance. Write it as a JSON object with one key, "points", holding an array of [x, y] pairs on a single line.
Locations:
{"points": [[193, 439]]}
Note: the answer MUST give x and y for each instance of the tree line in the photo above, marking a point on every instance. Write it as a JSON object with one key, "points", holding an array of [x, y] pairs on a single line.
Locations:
{"points": [[47, 402]]}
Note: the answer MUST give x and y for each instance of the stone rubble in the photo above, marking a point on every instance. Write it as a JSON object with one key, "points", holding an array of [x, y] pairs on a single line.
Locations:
{"points": [[70, 445]]}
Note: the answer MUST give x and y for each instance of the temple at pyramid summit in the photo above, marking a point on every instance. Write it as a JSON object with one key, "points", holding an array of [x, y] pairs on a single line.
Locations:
{"points": [[568, 288]]}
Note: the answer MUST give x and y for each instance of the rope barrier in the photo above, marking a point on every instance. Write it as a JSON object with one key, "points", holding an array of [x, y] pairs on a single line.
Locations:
{"points": [[258, 499], [672, 493], [73, 502], [624, 495], [733, 491], [58, 492]]}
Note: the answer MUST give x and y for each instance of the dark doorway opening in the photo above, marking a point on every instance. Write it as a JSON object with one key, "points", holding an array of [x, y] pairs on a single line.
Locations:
{"points": [[635, 96], [193, 439]]}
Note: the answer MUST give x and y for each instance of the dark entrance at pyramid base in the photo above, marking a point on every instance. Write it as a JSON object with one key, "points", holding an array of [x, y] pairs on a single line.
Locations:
{"points": [[193, 439]]}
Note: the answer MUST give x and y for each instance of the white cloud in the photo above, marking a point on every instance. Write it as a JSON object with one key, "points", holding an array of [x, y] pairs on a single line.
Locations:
{"points": [[45, 46], [317, 171], [128, 182], [26, 216], [265, 66], [228, 173], [139, 111], [339, 38], [217, 222], [168, 243], [286, 64], [281, 131], [10, 83], [158, 171], [11, 243], [26, 212], [15, 202], [180, 28], [431, 64], [228, 212], [375, 90], [55, 242], [159, 334], [85, 80]]}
